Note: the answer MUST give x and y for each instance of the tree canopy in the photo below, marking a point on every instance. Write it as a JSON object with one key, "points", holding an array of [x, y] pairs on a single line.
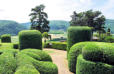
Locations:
{"points": [[90, 18], [39, 19]]}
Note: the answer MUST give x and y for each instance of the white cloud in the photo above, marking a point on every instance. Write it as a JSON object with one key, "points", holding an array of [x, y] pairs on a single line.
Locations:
{"points": [[57, 9]]}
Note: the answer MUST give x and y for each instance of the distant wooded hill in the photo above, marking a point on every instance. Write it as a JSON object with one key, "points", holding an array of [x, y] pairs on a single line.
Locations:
{"points": [[63, 25], [12, 27]]}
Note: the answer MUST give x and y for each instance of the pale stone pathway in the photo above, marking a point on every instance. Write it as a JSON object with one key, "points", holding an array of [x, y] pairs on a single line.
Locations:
{"points": [[60, 59]]}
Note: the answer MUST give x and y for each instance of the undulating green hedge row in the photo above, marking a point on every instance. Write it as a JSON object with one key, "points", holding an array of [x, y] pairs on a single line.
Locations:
{"points": [[6, 38], [98, 56], [30, 39], [56, 45], [27, 61], [78, 34], [7, 63], [89, 67], [37, 54]]}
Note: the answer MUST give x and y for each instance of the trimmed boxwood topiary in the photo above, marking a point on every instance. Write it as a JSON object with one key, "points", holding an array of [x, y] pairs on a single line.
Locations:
{"points": [[7, 63], [99, 52], [28, 64], [37, 54], [91, 51], [78, 34], [6, 38], [89, 67], [24, 64], [30, 39], [75, 50], [45, 67]]}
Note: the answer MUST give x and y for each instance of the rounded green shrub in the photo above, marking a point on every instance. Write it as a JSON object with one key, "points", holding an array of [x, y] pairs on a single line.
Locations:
{"points": [[7, 63], [99, 52], [37, 54], [75, 50], [26, 64], [6, 38], [91, 51], [78, 34], [30, 39], [45, 67], [88, 67]]}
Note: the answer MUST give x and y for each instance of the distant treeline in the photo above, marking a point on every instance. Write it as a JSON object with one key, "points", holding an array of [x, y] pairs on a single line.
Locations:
{"points": [[12, 27]]}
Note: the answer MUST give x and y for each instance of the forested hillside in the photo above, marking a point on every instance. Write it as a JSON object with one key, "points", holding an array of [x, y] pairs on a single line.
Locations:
{"points": [[10, 27]]}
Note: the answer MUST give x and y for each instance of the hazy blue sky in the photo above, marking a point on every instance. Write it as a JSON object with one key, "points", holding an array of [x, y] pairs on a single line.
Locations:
{"points": [[19, 10]]}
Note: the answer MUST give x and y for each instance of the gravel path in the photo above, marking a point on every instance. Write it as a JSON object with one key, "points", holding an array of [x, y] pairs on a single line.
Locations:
{"points": [[59, 58]]}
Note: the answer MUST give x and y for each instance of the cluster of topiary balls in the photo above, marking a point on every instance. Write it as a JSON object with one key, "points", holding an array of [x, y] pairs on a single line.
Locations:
{"points": [[30, 59]]}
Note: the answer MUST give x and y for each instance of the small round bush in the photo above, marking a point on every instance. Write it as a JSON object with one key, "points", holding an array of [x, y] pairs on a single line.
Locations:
{"points": [[6, 38], [78, 34], [88, 67], [30, 39]]}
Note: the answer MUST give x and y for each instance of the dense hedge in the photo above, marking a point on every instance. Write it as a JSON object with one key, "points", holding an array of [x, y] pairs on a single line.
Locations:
{"points": [[98, 52], [6, 38], [56, 45], [7, 63], [75, 50], [59, 45], [37, 54], [89, 67], [28, 65], [78, 34], [24, 65], [30, 39]]}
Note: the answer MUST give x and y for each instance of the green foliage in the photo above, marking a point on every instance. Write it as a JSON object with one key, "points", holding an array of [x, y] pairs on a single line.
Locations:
{"points": [[6, 38], [75, 50], [7, 63], [16, 45], [89, 18], [37, 54], [109, 39], [88, 67], [59, 45], [39, 19], [29, 65], [10, 27], [30, 39], [45, 35], [99, 52], [24, 65], [78, 34], [6, 46], [45, 67]]}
